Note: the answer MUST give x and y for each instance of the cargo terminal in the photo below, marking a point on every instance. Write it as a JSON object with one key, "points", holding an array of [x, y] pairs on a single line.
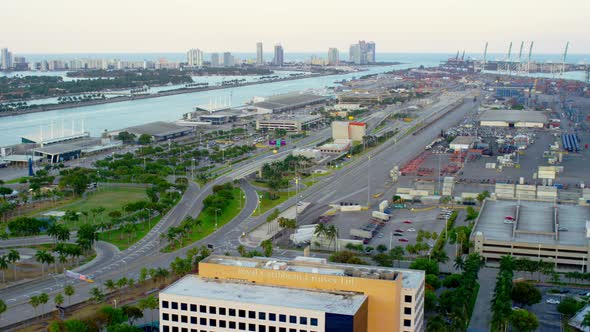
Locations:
{"points": [[303, 294]]}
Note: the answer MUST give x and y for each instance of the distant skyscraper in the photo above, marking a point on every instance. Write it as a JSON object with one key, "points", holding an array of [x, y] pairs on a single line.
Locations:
{"points": [[6, 59], [228, 59], [371, 52], [259, 54], [333, 57], [194, 58], [278, 59], [362, 53], [215, 60]]}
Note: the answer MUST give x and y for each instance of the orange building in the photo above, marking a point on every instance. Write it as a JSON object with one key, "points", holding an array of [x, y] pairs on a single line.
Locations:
{"points": [[369, 298]]}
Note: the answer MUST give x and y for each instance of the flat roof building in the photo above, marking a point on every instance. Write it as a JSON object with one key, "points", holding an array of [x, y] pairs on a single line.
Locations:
{"points": [[462, 143], [288, 102], [159, 130], [556, 233], [290, 124], [512, 118], [304, 294]]}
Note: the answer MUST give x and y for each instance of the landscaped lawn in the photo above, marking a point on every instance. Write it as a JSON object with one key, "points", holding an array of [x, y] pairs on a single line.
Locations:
{"points": [[208, 225], [111, 198], [266, 203], [120, 239]]}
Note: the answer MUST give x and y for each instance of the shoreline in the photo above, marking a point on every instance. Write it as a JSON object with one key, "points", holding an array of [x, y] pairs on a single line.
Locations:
{"points": [[53, 107]]}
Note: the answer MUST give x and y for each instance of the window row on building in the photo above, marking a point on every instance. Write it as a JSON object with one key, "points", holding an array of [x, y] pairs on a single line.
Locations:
{"points": [[231, 312], [237, 327]]}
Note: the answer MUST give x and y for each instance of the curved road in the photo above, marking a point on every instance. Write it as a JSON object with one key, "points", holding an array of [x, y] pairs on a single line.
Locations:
{"points": [[112, 264]]}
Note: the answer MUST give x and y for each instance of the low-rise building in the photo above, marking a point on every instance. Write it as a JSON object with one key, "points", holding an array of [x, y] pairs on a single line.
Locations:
{"points": [[304, 294], [513, 118], [290, 124], [462, 143], [555, 233]]}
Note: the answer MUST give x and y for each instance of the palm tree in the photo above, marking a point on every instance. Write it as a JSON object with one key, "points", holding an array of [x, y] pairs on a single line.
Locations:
{"points": [[150, 303], [69, 290], [397, 253], [43, 299], [42, 256], [110, 285], [58, 299], [34, 302], [3, 308], [332, 235], [459, 263], [3, 266], [13, 256]]}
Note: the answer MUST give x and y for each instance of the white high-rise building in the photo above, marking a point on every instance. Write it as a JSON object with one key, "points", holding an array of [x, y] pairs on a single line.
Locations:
{"points": [[362, 53], [228, 59], [259, 54], [194, 58], [6, 59], [215, 60], [333, 57]]}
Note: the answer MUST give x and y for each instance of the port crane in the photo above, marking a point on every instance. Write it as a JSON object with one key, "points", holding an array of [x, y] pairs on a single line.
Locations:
{"points": [[564, 58]]}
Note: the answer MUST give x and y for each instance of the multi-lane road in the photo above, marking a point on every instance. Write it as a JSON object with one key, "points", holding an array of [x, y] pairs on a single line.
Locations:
{"points": [[347, 183]]}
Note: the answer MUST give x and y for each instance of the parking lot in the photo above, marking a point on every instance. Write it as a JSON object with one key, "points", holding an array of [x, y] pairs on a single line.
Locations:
{"points": [[549, 317], [401, 230]]}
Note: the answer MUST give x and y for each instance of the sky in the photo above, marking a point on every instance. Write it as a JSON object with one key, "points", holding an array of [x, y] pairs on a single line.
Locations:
{"points": [[103, 26]]}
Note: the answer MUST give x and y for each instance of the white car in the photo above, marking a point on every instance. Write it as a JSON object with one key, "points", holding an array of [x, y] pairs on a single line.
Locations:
{"points": [[410, 230], [552, 301], [506, 221]]}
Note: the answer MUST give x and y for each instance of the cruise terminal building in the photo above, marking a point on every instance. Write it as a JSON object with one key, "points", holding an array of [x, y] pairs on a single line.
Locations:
{"points": [[299, 295]]}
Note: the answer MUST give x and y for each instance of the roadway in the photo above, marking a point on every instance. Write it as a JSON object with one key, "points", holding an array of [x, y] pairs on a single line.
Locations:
{"points": [[146, 252]]}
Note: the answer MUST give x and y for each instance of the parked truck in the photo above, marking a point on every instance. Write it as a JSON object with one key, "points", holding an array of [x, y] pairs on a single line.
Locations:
{"points": [[380, 215]]}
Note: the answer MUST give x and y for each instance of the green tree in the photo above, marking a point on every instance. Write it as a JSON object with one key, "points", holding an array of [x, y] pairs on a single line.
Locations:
{"points": [[96, 294], [43, 257], [569, 306], [523, 321], [43, 299], [3, 266], [397, 254], [110, 285], [586, 320], [34, 302], [13, 256], [149, 303], [3, 307], [267, 247], [132, 312], [433, 281], [525, 293], [431, 267], [144, 139], [58, 299], [69, 290]]}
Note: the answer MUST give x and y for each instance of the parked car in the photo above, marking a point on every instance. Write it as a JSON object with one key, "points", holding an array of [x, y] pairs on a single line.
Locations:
{"points": [[552, 301], [399, 230], [407, 222], [506, 221], [403, 240], [398, 234], [410, 230], [509, 218]]}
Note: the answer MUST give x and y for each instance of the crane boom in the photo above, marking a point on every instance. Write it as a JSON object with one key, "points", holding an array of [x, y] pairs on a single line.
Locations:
{"points": [[520, 52], [509, 50]]}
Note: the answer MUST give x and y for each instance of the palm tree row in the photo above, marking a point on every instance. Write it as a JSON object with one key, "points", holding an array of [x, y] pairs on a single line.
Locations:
{"points": [[330, 233]]}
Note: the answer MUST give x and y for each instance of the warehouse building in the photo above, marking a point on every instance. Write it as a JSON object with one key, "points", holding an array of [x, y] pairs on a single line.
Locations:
{"points": [[546, 231], [304, 294], [290, 124], [512, 118], [290, 102], [462, 143], [159, 130]]}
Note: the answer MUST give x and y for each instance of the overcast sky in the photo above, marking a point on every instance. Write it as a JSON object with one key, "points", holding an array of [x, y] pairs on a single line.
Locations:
{"points": [[84, 26]]}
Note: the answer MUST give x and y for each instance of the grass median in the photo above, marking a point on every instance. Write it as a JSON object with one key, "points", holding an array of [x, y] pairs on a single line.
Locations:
{"points": [[210, 222], [124, 240]]}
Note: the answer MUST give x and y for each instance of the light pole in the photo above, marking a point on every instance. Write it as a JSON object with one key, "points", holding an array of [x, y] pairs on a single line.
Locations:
{"points": [[369, 182], [216, 210]]}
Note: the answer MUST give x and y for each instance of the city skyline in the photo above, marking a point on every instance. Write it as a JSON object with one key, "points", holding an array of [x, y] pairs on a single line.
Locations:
{"points": [[425, 26]]}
